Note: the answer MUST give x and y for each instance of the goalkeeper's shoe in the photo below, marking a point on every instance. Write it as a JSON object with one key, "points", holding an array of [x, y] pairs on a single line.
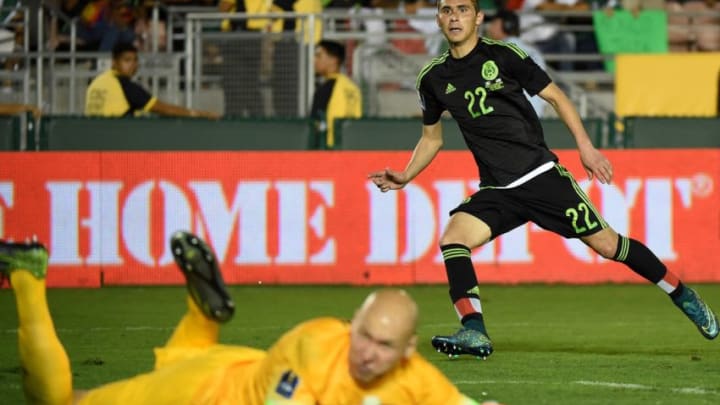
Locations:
{"points": [[203, 277], [30, 256], [464, 341], [698, 311]]}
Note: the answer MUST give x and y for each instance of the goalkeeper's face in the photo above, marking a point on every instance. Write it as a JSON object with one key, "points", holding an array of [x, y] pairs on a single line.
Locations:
{"points": [[382, 335]]}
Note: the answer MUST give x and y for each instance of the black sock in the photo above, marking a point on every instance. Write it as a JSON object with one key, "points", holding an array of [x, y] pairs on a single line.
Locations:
{"points": [[678, 292], [475, 321], [464, 291], [643, 261], [640, 259]]}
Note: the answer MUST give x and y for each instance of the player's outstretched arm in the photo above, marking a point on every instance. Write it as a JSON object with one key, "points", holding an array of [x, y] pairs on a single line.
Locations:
{"points": [[173, 110], [427, 147], [389, 179], [9, 109], [594, 162]]}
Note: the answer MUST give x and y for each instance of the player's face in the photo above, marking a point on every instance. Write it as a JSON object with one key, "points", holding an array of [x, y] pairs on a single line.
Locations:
{"points": [[377, 345], [458, 20], [126, 64]]}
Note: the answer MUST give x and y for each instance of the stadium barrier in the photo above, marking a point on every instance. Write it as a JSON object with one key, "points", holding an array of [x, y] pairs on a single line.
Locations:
{"points": [[75, 133], [314, 217], [67, 133], [659, 132], [403, 133], [61, 133], [9, 133], [391, 134]]}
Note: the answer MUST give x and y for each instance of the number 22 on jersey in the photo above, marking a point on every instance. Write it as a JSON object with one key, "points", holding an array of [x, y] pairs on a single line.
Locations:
{"points": [[476, 102]]}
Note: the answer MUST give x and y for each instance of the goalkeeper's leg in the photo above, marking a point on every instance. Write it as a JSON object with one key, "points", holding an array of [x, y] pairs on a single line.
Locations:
{"points": [[46, 369], [209, 303]]}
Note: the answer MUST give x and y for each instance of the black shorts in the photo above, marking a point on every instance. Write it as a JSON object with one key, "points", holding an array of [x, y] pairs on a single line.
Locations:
{"points": [[553, 200]]}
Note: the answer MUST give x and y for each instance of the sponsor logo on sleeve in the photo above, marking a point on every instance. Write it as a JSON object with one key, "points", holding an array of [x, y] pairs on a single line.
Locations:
{"points": [[288, 383]]}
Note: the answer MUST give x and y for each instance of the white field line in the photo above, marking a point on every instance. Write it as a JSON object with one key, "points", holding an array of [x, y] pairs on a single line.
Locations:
{"points": [[605, 384]]}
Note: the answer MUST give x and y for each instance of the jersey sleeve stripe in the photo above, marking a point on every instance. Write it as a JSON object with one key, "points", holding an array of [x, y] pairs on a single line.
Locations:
{"points": [[436, 61], [522, 54]]}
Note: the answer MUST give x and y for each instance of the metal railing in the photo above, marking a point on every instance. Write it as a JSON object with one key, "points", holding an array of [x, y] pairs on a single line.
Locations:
{"points": [[55, 80], [19, 58], [244, 48]]}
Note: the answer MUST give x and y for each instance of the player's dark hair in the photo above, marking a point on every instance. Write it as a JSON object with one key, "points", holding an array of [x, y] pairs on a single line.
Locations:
{"points": [[475, 4], [334, 49], [122, 47]]}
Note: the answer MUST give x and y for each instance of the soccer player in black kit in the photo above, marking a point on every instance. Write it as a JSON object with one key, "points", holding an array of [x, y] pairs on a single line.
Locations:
{"points": [[480, 82]]}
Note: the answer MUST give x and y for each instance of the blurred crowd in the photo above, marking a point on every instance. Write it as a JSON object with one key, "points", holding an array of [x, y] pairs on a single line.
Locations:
{"points": [[102, 23], [551, 27]]}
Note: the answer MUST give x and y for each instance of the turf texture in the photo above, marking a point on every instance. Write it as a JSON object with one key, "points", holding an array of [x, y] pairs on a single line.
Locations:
{"points": [[607, 344]]}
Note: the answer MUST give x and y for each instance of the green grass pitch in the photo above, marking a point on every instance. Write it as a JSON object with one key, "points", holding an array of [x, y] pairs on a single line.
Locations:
{"points": [[609, 344]]}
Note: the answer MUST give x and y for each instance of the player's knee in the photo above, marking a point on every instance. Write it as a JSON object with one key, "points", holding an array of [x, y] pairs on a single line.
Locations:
{"points": [[605, 243], [472, 239], [448, 240], [606, 249], [454, 239], [607, 252]]}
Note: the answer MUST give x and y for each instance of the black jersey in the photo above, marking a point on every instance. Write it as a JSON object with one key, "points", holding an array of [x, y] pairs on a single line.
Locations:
{"points": [[483, 91]]}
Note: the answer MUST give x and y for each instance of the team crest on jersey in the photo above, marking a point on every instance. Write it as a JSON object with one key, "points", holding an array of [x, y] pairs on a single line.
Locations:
{"points": [[288, 383], [490, 70]]}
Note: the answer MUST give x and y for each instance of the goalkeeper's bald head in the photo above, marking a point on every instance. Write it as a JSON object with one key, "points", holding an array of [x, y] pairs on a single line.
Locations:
{"points": [[382, 334]]}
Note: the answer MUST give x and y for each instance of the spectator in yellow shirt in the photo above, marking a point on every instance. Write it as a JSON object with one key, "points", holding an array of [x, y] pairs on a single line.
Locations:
{"points": [[337, 96], [114, 94], [372, 359]]}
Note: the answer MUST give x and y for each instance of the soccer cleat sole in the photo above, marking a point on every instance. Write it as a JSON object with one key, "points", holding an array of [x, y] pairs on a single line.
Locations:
{"points": [[454, 350], [204, 280], [31, 256]]}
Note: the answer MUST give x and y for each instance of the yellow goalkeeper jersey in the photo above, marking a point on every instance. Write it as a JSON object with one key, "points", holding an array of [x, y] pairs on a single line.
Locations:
{"points": [[307, 366]]}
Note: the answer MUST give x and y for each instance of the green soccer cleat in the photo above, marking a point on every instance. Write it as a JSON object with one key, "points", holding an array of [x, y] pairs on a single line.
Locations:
{"points": [[203, 277], [464, 341], [30, 256], [698, 311]]}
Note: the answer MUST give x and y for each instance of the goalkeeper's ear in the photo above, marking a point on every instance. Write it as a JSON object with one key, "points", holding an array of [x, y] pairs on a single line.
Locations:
{"points": [[411, 347]]}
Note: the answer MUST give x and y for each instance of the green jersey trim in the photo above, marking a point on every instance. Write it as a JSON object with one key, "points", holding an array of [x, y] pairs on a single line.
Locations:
{"points": [[522, 54], [435, 61]]}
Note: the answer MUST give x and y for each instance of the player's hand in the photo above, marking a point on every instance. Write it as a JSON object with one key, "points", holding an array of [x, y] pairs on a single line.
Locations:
{"points": [[389, 179], [596, 165]]}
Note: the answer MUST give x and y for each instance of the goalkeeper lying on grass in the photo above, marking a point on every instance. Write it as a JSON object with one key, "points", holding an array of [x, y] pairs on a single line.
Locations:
{"points": [[371, 360]]}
